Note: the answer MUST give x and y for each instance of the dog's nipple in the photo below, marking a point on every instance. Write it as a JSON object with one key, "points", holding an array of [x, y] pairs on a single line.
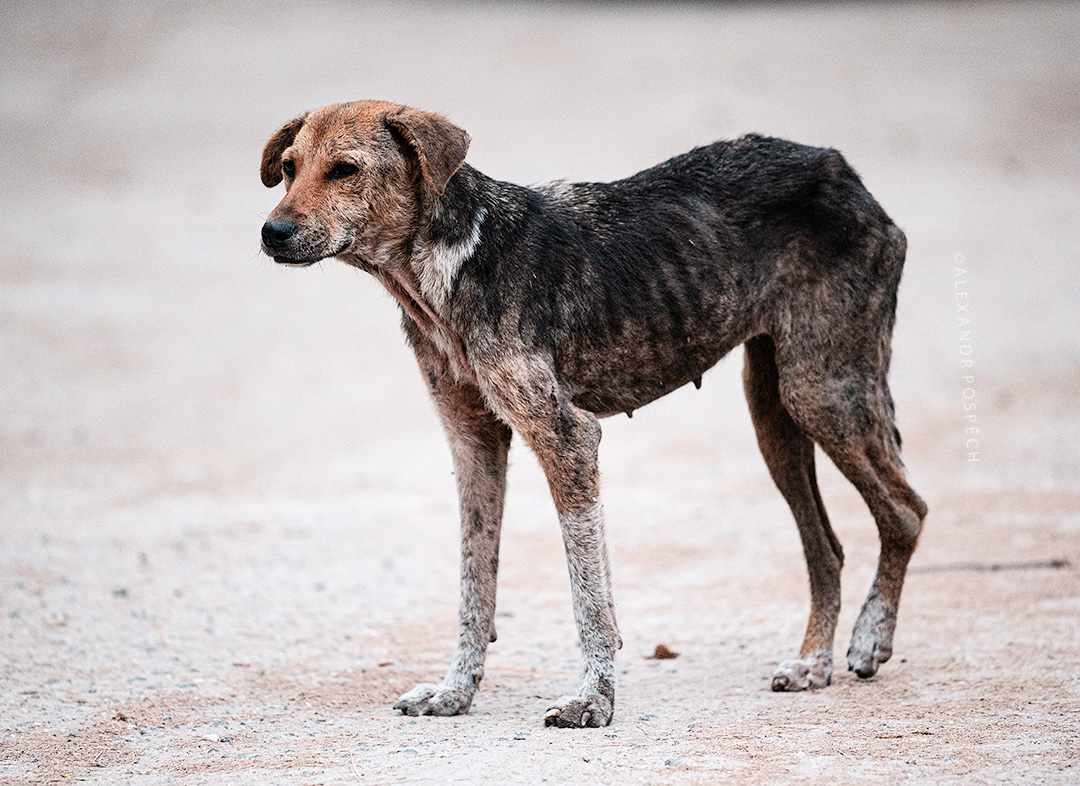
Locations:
{"points": [[629, 413], [697, 382]]}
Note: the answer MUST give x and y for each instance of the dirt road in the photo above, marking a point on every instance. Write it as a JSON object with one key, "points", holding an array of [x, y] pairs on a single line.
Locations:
{"points": [[227, 520]]}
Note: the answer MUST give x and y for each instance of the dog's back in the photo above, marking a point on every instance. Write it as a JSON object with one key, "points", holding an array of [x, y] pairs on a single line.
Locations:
{"points": [[637, 287]]}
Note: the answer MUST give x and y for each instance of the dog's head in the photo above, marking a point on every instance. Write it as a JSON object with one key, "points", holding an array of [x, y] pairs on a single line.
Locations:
{"points": [[357, 177]]}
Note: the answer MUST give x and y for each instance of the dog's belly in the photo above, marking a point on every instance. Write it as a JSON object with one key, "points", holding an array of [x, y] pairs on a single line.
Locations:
{"points": [[618, 380]]}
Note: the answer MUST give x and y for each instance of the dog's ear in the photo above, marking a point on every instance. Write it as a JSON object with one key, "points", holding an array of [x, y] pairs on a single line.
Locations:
{"points": [[275, 146], [439, 145]]}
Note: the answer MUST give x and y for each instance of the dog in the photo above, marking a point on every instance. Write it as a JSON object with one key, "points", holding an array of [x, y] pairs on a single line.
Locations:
{"points": [[541, 310]]}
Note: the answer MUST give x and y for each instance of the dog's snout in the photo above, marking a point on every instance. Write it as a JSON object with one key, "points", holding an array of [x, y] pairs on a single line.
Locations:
{"points": [[278, 231]]}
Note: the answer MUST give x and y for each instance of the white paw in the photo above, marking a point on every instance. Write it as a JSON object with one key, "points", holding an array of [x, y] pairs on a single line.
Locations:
{"points": [[434, 700], [807, 673], [575, 712]]}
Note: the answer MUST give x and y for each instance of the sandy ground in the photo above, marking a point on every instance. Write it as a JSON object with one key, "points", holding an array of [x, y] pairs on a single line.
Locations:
{"points": [[228, 533]]}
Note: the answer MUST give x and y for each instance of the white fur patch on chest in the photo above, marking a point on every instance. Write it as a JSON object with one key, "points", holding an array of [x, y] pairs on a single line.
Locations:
{"points": [[438, 264]]}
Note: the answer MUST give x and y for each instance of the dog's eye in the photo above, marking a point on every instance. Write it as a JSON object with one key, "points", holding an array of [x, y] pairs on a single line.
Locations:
{"points": [[338, 171], [288, 168]]}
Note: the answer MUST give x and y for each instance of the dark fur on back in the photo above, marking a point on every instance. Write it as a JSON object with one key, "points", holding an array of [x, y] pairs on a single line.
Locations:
{"points": [[635, 288]]}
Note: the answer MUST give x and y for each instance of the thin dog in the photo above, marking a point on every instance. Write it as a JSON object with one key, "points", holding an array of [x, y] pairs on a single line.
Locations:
{"points": [[540, 310]]}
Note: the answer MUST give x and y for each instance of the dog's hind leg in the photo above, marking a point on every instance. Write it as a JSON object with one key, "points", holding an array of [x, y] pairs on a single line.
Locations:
{"points": [[899, 513], [479, 443], [565, 439], [847, 412], [789, 454]]}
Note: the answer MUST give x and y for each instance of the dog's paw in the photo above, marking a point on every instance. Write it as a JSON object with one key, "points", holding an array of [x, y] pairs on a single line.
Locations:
{"points": [[867, 654], [807, 673], [872, 639], [434, 700], [575, 712]]}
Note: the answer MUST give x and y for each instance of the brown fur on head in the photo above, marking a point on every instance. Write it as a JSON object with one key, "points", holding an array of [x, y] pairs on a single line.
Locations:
{"points": [[351, 175]]}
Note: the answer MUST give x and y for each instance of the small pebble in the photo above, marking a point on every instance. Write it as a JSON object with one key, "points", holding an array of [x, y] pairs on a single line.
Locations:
{"points": [[662, 652]]}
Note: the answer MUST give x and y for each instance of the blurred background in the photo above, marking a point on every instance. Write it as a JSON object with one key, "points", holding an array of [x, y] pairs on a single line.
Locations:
{"points": [[207, 460]]}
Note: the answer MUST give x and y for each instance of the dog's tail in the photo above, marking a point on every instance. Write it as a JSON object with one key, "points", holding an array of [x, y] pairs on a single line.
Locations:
{"points": [[890, 267]]}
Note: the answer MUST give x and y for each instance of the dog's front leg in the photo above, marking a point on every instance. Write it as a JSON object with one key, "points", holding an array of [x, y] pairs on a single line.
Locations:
{"points": [[565, 439], [479, 443], [594, 613]]}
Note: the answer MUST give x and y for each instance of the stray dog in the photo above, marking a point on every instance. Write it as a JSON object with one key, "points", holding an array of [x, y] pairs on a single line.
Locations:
{"points": [[540, 310]]}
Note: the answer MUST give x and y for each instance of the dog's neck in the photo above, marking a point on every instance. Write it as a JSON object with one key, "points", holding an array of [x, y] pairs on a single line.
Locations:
{"points": [[449, 235], [437, 259], [425, 262], [420, 271]]}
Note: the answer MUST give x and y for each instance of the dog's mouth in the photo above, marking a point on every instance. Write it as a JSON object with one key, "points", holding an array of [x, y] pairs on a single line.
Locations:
{"points": [[282, 259], [294, 262]]}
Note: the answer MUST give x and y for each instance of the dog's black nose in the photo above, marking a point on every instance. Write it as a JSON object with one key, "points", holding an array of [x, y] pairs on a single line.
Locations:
{"points": [[277, 231]]}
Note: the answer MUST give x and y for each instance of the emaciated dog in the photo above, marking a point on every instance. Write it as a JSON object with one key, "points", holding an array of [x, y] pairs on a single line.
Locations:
{"points": [[541, 310]]}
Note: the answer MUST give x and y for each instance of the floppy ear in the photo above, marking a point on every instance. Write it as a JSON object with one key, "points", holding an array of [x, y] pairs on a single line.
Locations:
{"points": [[275, 146], [439, 145]]}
